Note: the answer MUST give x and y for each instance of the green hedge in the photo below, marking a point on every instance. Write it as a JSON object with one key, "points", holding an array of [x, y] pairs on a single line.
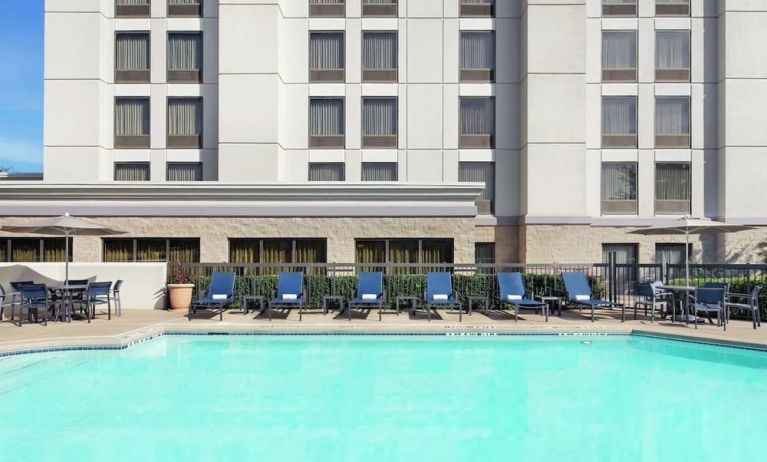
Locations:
{"points": [[475, 285], [738, 285]]}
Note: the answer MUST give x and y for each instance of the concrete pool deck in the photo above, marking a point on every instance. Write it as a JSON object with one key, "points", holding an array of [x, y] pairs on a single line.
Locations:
{"points": [[137, 325]]}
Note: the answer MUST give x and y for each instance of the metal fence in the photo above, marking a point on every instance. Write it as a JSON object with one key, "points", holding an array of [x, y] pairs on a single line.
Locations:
{"points": [[612, 281]]}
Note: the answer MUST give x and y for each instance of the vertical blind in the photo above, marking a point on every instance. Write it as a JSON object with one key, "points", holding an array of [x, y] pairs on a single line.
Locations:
{"points": [[672, 50], [326, 171], [478, 1], [619, 50], [185, 51], [619, 181], [184, 116], [379, 171], [379, 50], [326, 116], [379, 116], [328, 2], [378, 2], [477, 50], [404, 251], [132, 52], [185, 171], [619, 2], [134, 171], [479, 172], [672, 182], [674, 2], [131, 116], [672, 115], [477, 116], [619, 115], [184, 2], [484, 253], [326, 50], [133, 2]]}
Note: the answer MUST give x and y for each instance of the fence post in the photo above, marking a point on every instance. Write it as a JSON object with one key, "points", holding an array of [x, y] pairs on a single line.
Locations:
{"points": [[611, 276]]}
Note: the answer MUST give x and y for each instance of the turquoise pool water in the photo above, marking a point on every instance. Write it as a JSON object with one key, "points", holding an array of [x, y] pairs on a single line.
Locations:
{"points": [[387, 398]]}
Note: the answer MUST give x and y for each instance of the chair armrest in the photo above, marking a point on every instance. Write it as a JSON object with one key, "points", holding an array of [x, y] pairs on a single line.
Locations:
{"points": [[736, 295]]}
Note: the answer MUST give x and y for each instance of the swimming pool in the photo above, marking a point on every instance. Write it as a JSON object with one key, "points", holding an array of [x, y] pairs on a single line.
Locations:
{"points": [[386, 398]]}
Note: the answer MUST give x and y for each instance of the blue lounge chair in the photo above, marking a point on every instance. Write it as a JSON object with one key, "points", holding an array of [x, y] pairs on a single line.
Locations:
{"points": [[369, 293], [710, 300], [439, 292], [512, 292], [220, 295], [290, 292], [579, 293]]}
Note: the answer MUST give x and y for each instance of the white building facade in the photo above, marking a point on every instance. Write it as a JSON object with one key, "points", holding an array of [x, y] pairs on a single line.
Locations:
{"points": [[410, 130]]}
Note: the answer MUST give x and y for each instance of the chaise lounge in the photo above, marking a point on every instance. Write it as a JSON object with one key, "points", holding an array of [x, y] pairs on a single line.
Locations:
{"points": [[512, 292], [370, 293], [579, 294], [290, 293], [219, 296]]}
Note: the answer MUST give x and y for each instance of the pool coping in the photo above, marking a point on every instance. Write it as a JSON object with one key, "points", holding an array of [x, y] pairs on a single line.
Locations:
{"points": [[143, 334]]}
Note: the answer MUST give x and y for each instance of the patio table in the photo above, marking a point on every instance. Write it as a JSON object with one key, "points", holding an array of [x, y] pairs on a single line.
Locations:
{"points": [[686, 290], [67, 291]]}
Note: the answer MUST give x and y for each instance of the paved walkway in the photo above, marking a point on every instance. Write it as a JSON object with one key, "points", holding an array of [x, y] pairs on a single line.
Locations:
{"points": [[139, 324]]}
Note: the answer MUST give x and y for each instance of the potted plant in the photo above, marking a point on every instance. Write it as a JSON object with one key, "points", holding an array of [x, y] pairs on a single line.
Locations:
{"points": [[180, 291]]}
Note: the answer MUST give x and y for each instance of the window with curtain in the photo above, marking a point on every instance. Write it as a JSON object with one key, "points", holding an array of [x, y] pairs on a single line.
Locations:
{"points": [[132, 8], [672, 7], [672, 188], [671, 254], [132, 2], [379, 171], [327, 171], [619, 56], [619, 7], [176, 250], [379, 56], [184, 8], [379, 122], [327, 8], [379, 8], [477, 55], [672, 122], [619, 121], [132, 57], [672, 56], [404, 251], [132, 171], [326, 123], [184, 122], [185, 57], [477, 7], [484, 253], [619, 188], [184, 171], [132, 123], [253, 250], [27, 250], [480, 172], [477, 122], [326, 56], [626, 277]]}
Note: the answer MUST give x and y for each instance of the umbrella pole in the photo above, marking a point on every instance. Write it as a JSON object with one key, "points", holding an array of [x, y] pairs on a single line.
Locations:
{"points": [[66, 257]]}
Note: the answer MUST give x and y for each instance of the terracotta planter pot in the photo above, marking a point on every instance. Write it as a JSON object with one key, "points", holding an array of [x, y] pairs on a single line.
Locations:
{"points": [[180, 296]]}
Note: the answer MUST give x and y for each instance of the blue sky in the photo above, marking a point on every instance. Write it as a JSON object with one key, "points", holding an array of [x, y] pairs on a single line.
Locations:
{"points": [[21, 85]]}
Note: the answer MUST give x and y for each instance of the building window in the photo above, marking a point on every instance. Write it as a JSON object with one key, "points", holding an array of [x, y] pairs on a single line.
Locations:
{"points": [[619, 122], [185, 123], [482, 8], [672, 56], [379, 56], [379, 8], [185, 57], [379, 122], [619, 56], [132, 62], [176, 250], [131, 123], [132, 171], [480, 172], [671, 254], [672, 189], [132, 8], [625, 254], [477, 123], [327, 171], [672, 122], [326, 57], [379, 171], [327, 8], [401, 251], [277, 250], [326, 123], [619, 7], [184, 8], [672, 7], [477, 56], [484, 253], [619, 188], [29, 250], [184, 171]]}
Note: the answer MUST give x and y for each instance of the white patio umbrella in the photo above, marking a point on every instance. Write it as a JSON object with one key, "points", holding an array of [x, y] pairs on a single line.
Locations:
{"points": [[66, 226], [689, 226]]}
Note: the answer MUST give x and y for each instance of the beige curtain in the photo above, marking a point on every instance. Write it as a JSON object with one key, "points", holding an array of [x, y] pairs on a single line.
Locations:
{"points": [[184, 250], [277, 251], [25, 250], [437, 251], [118, 250], [311, 251], [3, 250], [54, 250], [243, 250]]}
